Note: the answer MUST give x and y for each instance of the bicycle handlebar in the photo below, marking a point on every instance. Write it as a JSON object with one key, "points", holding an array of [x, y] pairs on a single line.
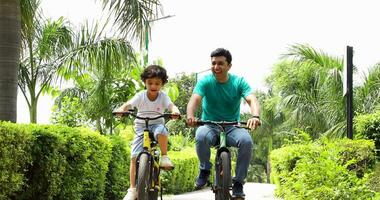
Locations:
{"points": [[132, 112], [221, 123]]}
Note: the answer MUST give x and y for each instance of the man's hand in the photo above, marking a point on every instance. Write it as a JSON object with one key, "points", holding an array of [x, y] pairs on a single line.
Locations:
{"points": [[253, 123], [191, 121]]}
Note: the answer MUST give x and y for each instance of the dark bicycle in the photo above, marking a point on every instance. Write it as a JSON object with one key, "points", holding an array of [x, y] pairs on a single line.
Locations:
{"points": [[222, 183], [147, 162]]}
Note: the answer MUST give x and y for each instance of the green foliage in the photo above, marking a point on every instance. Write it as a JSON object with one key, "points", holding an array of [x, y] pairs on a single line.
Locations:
{"points": [[118, 169], [57, 162], [181, 179], [368, 126], [326, 170], [179, 142], [15, 145], [374, 182], [70, 112], [88, 155], [45, 173]]}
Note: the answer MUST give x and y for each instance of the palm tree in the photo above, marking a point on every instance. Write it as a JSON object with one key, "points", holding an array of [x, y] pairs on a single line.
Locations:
{"points": [[10, 21], [309, 84], [132, 16], [52, 49]]}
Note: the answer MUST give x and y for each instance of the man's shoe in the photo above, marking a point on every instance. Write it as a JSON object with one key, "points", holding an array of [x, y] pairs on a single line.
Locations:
{"points": [[237, 190], [165, 163], [202, 179], [131, 195]]}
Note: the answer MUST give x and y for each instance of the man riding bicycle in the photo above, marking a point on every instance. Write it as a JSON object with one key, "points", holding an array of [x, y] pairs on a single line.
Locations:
{"points": [[221, 94]]}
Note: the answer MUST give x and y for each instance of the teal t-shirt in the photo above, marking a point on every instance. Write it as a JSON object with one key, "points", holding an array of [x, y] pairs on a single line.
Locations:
{"points": [[221, 101]]}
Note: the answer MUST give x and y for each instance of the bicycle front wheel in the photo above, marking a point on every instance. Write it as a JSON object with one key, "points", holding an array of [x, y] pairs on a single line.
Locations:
{"points": [[143, 177], [224, 176]]}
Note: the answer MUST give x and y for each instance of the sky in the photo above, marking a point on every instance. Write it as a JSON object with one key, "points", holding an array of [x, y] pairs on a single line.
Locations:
{"points": [[256, 32]]}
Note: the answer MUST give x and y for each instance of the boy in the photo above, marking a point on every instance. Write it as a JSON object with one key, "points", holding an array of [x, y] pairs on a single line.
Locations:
{"points": [[150, 102]]}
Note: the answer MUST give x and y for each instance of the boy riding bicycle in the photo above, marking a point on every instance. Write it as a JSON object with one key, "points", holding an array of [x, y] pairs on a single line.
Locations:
{"points": [[150, 103]]}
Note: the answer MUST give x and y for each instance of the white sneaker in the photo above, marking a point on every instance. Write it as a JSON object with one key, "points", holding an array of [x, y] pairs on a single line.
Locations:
{"points": [[131, 195], [165, 163]]}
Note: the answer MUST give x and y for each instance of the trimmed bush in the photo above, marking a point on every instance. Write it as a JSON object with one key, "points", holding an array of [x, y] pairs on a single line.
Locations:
{"points": [[368, 126], [182, 178], [88, 155], [324, 170], [118, 169], [15, 145]]}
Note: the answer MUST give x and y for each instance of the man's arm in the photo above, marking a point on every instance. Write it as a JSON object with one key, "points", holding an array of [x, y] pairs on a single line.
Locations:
{"points": [[193, 104], [254, 106]]}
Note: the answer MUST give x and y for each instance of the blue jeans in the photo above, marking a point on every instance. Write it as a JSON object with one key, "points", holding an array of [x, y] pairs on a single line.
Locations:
{"points": [[207, 136]]}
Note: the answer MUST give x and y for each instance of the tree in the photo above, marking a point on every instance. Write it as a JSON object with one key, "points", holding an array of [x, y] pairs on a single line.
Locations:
{"points": [[309, 84], [52, 49], [10, 23]]}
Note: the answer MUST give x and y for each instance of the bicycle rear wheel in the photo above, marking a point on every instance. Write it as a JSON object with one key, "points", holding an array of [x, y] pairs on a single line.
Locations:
{"points": [[143, 177], [224, 177]]}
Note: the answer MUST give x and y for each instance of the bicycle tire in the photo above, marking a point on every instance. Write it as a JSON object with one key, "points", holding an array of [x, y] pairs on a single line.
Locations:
{"points": [[153, 195], [143, 177], [225, 175]]}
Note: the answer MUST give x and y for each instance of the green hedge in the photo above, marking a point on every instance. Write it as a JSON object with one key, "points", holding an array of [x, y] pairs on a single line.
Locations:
{"points": [[182, 178], [58, 162], [368, 126], [324, 170], [15, 145], [52, 162], [118, 169]]}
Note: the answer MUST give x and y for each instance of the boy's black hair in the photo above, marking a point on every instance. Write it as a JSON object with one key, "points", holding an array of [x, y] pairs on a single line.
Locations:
{"points": [[222, 52], [153, 71]]}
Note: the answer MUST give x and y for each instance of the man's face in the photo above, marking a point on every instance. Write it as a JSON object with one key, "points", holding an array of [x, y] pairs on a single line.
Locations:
{"points": [[220, 67]]}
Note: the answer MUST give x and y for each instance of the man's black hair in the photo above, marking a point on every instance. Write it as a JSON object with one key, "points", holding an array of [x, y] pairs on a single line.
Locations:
{"points": [[222, 52], [153, 71]]}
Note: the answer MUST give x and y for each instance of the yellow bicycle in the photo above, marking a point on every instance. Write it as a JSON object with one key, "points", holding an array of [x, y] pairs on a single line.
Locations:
{"points": [[147, 162]]}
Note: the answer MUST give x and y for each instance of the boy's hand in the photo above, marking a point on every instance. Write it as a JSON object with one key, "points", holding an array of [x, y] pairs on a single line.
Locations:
{"points": [[176, 114], [118, 114]]}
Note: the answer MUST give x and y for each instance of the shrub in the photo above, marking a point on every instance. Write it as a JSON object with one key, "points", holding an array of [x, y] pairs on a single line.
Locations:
{"points": [[324, 170], [15, 145], [368, 126], [118, 169]]}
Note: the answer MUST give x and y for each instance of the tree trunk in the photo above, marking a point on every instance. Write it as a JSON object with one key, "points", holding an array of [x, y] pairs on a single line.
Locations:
{"points": [[33, 110], [10, 29]]}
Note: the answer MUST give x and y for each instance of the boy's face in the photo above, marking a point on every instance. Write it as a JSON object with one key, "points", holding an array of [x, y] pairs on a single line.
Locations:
{"points": [[153, 85]]}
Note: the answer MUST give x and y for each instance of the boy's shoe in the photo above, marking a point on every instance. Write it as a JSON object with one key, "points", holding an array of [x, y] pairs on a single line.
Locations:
{"points": [[237, 191], [202, 179], [131, 195], [165, 163]]}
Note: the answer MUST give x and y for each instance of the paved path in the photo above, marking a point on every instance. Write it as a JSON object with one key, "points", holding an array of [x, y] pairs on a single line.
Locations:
{"points": [[253, 191]]}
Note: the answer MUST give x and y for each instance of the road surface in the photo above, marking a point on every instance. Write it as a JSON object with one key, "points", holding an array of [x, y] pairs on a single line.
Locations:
{"points": [[253, 191]]}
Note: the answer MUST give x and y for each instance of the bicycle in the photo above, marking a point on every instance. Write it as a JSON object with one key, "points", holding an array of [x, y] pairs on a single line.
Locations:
{"points": [[148, 182], [222, 184]]}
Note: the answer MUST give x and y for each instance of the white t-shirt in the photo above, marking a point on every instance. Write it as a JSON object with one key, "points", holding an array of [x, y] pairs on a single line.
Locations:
{"points": [[148, 108]]}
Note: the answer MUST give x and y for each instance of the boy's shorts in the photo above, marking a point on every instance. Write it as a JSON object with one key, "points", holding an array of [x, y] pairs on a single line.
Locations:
{"points": [[137, 145]]}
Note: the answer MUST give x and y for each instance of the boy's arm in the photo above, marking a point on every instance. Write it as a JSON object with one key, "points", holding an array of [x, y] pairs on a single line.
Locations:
{"points": [[125, 107], [173, 109]]}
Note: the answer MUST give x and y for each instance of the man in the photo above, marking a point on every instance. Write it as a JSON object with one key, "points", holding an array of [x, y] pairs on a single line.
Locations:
{"points": [[220, 94]]}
